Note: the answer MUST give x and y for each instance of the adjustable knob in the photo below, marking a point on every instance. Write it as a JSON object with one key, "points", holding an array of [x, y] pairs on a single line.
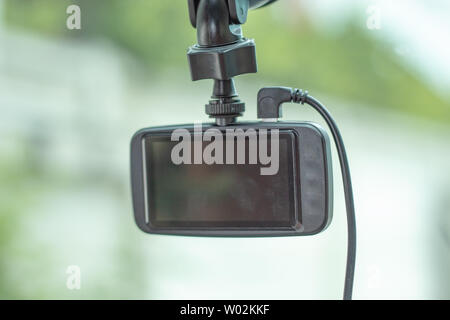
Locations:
{"points": [[216, 107]]}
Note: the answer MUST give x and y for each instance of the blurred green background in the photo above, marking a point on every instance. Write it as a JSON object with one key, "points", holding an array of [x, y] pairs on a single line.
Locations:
{"points": [[71, 99]]}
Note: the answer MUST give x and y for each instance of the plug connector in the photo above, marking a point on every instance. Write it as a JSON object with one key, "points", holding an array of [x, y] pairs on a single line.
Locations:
{"points": [[270, 99]]}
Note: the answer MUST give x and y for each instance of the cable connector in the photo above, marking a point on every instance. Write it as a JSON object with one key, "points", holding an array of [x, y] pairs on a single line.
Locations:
{"points": [[299, 96], [270, 100]]}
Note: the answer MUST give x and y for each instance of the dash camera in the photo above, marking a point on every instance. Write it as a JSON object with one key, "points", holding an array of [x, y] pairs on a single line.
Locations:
{"points": [[231, 178], [245, 179]]}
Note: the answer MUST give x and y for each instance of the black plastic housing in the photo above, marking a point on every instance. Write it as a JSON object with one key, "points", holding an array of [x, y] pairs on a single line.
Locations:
{"points": [[312, 182], [222, 62]]}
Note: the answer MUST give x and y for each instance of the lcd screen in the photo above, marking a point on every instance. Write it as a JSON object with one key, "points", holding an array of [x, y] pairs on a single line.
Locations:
{"points": [[219, 195]]}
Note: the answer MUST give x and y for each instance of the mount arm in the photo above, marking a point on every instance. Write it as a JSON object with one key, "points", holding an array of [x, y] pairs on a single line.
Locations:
{"points": [[222, 52]]}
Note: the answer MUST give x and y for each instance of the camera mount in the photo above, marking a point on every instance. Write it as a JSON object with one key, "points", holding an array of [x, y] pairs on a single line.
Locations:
{"points": [[222, 52]]}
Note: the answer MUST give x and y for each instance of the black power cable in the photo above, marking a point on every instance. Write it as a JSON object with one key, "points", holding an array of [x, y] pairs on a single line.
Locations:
{"points": [[269, 106]]}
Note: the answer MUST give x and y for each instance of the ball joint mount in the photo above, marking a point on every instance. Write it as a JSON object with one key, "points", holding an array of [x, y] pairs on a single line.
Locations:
{"points": [[222, 52]]}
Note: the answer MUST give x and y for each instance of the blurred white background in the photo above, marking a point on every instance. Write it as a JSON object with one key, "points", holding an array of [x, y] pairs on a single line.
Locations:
{"points": [[69, 106]]}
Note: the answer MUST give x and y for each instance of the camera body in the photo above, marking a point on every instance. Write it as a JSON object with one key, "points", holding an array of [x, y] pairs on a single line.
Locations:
{"points": [[244, 179]]}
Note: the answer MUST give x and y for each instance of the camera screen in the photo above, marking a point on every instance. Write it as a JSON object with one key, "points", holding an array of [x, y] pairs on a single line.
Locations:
{"points": [[227, 192]]}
